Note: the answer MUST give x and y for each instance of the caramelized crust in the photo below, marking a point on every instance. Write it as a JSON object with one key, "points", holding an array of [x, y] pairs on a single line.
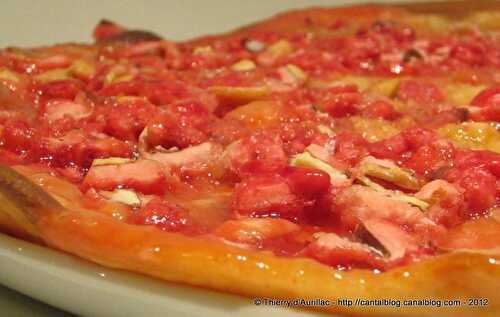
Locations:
{"points": [[173, 257], [305, 19]]}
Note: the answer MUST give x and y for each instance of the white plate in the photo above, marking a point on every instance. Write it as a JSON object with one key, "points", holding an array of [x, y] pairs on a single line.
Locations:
{"points": [[84, 288]]}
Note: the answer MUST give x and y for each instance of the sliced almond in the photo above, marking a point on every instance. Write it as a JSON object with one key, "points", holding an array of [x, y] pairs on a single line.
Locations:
{"points": [[53, 75], [118, 73], [82, 68], [111, 161], [296, 71], [280, 48], [305, 159], [203, 50], [390, 172], [325, 130], [394, 193], [125, 196], [254, 46], [274, 52], [243, 65]]}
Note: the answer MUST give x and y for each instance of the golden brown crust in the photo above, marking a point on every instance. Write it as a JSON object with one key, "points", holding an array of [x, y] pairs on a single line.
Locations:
{"points": [[303, 19], [18, 197], [310, 18], [174, 257], [452, 8]]}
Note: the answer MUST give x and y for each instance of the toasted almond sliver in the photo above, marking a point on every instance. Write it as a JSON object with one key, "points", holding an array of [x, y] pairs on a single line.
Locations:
{"points": [[305, 159], [111, 161], [325, 130], [254, 46], [125, 196], [202, 50], [118, 74], [394, 194], [240, 95], [296, 71], [243, 65]]}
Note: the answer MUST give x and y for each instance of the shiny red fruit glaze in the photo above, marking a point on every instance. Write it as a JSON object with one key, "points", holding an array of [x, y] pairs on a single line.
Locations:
{"points": [[307, 182], [380, 109], [350, 147], [469, 53], [428, 158], [19, 136], [342, 104], [260, 153], [481, 188], [489, 97], [266, 197], [180, 125], [63, 89], [390, 148], [126, 120], [164, 215], [419, 91]]}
